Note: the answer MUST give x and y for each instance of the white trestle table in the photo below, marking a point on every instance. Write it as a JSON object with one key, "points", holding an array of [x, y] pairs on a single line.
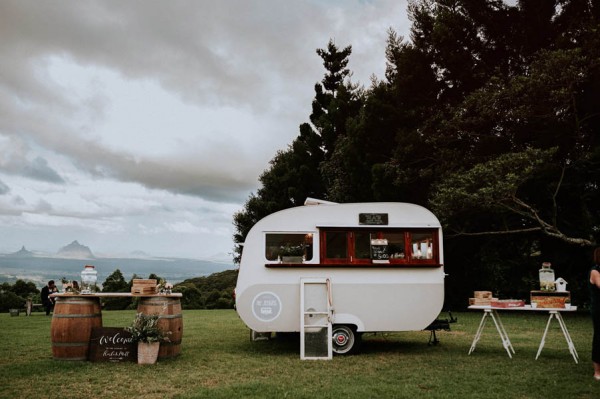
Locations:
{"points": [[492, 312]]}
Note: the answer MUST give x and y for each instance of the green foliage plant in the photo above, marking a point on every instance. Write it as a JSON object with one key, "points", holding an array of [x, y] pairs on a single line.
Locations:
{"points": [[145, 328], [291, 250]]}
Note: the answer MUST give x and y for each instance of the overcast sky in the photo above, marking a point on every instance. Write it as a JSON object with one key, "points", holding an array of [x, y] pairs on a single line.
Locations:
{"points": [[144, 125]]}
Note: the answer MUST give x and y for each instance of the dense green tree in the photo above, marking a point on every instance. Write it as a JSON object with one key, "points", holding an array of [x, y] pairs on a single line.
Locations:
{"points": [[24, 289], [10, 300], [192, 297], [208, 292], [154, 276], [519, 149], [489, 114], [115, 282], [498, 190], [5, 287], [224, 303], [334, 100], [13, 296], [384, 157]]}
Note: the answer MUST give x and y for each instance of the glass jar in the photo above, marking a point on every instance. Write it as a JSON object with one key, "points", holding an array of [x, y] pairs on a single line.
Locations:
{"points": [[547, 277], [89, 276]]}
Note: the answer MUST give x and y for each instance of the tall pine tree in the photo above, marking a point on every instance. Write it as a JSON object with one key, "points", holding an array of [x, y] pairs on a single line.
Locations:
{"points": [[294, 173]]}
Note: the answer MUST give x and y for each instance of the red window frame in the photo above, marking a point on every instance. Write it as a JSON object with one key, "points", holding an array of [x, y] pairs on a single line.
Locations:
{"points": [[351, 259]]}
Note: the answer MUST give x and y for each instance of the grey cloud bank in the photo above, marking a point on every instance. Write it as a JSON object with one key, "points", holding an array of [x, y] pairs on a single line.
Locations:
{"points": [[133, 126]]}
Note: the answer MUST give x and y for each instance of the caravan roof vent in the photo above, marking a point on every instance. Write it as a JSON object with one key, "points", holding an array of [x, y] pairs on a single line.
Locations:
{"points": [[314, 201]]}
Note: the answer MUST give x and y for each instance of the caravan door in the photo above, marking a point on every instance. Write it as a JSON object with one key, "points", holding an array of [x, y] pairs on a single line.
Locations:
{"points": [[315, 318]]}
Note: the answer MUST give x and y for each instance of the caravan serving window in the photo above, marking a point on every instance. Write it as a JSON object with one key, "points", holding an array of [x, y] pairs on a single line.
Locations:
{"points": [[377, 246], [289, 247]]}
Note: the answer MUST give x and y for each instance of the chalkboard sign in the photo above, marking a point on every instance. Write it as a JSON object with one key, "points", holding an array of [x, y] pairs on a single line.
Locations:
{"points": [[373, 219], [379, 251], [112, 344]]}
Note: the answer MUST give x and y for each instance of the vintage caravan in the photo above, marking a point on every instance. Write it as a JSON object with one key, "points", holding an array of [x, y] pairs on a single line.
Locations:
{"points": [[344, 269]]}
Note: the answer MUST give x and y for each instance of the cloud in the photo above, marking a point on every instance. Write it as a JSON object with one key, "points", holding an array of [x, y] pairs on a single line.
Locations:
{"points": [[185, 227], [15, 160], [255, 57], [54, 221], [38, 169], [4, 189], [213, 52], [146, 119], [18, 200]]}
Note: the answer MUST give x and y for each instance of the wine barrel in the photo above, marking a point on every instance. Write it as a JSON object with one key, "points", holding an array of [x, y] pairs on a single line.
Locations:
{"points": [[71, 328], [169, 319]]}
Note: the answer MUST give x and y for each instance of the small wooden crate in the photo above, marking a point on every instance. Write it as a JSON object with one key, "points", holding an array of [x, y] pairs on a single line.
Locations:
{"points": [[483, 294], [550, 299], [481, 301], [508, 303], [144, 287], [481, 298]]}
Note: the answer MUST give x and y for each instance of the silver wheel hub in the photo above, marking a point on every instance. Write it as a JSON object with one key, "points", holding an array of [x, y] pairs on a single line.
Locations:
{"points": [[339, 338]]}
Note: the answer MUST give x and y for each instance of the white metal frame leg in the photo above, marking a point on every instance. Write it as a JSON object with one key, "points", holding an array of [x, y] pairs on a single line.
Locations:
{"points": [[503, 334], [479, 331], [543, 341], [570, 343], [563, 327], [501, 331]]}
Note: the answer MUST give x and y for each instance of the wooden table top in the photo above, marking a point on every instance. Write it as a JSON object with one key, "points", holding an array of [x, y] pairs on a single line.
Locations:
{"points": [[114, 295]]}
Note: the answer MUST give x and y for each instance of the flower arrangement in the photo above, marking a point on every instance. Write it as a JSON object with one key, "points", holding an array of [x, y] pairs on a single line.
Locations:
{"points": [[145, 328], [164, 287], [70, 286], [291, 250], [168, 288]]}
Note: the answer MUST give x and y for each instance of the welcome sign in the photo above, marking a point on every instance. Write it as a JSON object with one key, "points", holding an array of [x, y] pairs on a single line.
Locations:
{"points": [[112, 344]]}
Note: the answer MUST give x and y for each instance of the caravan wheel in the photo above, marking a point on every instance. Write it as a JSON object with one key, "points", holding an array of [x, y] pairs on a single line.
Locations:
{"points": [[345, 339]]}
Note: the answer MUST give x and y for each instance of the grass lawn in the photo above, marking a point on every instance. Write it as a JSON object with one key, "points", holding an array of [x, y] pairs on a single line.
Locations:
{"points": [[219, 361]]}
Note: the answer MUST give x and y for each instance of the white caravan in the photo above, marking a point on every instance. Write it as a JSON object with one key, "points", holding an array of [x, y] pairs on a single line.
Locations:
{"points": [[381, 264]]}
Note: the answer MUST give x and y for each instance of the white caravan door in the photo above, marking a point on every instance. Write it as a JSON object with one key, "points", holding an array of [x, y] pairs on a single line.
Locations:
{"points": [[315, 318]]}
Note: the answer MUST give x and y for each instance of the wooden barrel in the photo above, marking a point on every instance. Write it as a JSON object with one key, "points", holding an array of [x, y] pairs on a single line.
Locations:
{"points": [[72, 323], [169, 319]]}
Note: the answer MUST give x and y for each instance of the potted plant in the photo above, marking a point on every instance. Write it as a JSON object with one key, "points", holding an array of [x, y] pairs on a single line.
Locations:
{"points": [[148, 334], [567, 304], [291, 253]]}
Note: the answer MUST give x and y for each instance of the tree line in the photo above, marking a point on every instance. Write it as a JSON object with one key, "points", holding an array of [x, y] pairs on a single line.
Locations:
{"points": [[14, 296], [209, 292], [489, 115]]}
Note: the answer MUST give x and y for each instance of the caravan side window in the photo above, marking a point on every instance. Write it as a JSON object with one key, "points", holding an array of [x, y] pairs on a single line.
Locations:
{"points": [[370, 246], [336, 244], [289, 247], [421, 246]]}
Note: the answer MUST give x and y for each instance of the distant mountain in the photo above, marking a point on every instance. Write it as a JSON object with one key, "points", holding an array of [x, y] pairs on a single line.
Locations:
{"points": [[22, 253], [139, 254], [76, 251]]}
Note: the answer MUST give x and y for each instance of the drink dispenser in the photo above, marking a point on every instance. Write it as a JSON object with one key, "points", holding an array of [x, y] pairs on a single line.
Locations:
{"points": [[547, 280], [89, 276]]}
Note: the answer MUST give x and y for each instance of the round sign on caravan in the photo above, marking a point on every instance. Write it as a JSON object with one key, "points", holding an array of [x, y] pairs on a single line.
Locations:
{"points": [[266, 306]]}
